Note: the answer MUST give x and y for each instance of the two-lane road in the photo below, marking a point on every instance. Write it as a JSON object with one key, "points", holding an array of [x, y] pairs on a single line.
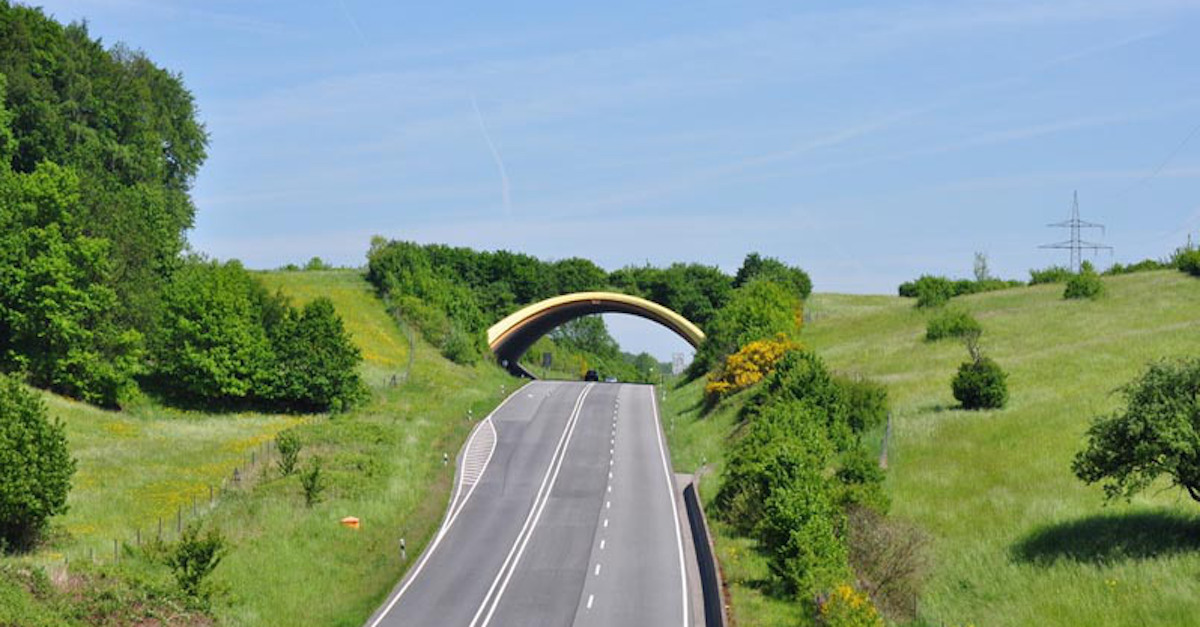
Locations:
{"points": [[565, 514]]}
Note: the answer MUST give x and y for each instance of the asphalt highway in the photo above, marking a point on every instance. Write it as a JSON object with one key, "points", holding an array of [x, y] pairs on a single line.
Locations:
{"points": [[564, 514]]}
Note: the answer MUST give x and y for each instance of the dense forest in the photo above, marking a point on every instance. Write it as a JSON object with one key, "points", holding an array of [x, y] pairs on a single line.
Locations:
{"points": [[98, 151]]}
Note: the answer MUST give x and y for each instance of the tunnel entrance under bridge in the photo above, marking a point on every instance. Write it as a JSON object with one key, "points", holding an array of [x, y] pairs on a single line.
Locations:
{"points": [[512, 336]]}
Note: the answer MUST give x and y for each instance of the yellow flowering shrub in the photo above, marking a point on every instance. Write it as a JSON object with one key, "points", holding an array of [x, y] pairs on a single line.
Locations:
{"points": [[748, 366], [847, 607]]}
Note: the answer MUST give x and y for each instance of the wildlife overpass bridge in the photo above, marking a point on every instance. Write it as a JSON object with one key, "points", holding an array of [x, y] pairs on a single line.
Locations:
{"points": [[512, 336]]}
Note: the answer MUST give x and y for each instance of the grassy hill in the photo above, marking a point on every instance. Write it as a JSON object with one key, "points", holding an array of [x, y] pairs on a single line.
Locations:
{"points": [[289, 564], [1016, 538]]}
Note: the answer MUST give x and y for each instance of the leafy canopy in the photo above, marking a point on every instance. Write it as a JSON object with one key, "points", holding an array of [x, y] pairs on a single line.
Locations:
{"points": [[1156, 434]]}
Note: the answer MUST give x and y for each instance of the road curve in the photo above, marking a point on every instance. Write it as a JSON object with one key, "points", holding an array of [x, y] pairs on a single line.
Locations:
{"points": [[565, 514]]}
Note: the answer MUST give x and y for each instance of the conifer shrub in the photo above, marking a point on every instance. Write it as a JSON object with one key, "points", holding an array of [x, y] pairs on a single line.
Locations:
{"points": [[289, 445], [194, 558], [313, 482], [981, 384]]}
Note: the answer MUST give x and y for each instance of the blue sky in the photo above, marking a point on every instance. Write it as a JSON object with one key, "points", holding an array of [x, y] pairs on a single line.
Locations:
{"points": [[867, 142]]}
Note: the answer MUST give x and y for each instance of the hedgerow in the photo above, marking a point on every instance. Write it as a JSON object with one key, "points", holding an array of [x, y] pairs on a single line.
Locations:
{"points": [[798, 465]]}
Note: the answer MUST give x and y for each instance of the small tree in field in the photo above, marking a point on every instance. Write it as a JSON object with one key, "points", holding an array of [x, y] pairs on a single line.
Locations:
{"points": [[289, 446], [35, 466], [194, 558], [313, 482], [1156, 434]]}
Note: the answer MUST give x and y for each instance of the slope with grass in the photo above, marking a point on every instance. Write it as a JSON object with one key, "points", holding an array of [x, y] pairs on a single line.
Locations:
{"points": [[288, 564], [1017, 539], [383, 465]]}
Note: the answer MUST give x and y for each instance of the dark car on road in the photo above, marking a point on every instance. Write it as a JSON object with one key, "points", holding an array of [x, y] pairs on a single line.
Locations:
{"points": [[591, 375]]}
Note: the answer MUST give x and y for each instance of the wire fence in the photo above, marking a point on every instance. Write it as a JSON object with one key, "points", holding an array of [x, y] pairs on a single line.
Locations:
{"points": [[191, 506]]}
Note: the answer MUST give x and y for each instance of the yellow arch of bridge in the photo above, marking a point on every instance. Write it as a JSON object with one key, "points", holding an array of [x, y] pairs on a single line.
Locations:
{"points": [[561, 308]]}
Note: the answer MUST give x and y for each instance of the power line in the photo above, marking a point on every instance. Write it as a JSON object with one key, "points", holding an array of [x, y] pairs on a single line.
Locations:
{"points": [[1076, 244]]}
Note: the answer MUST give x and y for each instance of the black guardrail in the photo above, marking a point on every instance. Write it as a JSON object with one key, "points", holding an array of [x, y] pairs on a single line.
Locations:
{"points": [[710, 581]]}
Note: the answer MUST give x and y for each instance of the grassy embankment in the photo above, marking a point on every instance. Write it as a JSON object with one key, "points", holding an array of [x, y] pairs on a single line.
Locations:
{"points": [[1016, 538], [289, 564]]}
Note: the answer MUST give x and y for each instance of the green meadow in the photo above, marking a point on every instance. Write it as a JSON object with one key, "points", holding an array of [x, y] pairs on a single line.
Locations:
{"points": [[288, 564], [1016, 539]]}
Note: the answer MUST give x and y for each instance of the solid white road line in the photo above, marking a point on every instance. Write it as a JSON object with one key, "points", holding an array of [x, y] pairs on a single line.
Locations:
{"points": [[412, 576], [674, 509], [539, 504]]}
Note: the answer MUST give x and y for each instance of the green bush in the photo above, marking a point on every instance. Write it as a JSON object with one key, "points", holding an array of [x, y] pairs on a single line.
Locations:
{"points": [[866, 402], [951, 322], [803, 533], [35, 465], [194, 558], [1052, 274], [936, 286], [759, 310], [933, 291], [1188, 260], [315, 363], [1157, 433], [316, 263], [222, 338], [981, 384], [1086, 284], [860, 481], [1145, 265], [784, 441]]}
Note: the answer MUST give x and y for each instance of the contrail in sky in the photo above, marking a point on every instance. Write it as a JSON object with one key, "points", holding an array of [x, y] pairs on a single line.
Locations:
{"points": [[353, 24], [495, 155]]}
